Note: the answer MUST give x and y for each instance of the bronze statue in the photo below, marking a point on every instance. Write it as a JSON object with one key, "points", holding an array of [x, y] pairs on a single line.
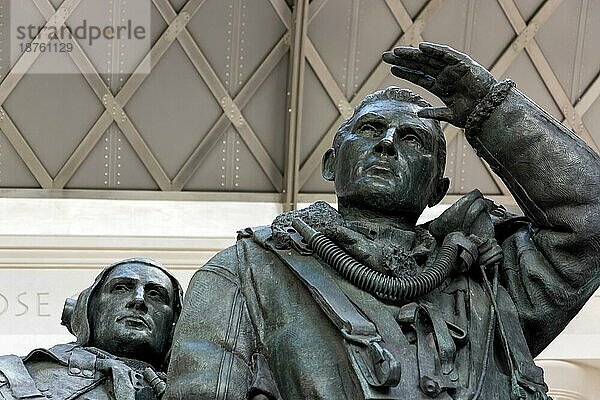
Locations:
{"points": [[363, 303], [124, 327]]}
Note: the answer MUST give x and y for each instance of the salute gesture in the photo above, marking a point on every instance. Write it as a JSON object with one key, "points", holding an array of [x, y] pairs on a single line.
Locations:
{"points": [[454, 77]]}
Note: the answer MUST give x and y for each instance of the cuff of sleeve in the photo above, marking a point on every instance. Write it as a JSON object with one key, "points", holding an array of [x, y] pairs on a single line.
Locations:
{"points": [[486, 107]]}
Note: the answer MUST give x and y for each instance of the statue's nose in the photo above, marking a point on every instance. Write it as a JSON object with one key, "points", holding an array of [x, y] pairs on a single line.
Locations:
{"points": [[137, 301], [385, 146]]}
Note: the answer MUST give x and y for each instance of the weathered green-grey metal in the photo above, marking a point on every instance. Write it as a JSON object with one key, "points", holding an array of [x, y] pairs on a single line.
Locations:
{"points": [[124, 327], [362, 303]]}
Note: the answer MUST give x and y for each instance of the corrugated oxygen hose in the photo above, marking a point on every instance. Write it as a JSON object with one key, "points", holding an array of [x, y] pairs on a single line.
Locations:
{"points": [[388, 287]]}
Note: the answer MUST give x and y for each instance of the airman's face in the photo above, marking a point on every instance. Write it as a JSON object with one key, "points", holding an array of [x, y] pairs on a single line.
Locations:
{"points": [[387, 160], [132, 313]]}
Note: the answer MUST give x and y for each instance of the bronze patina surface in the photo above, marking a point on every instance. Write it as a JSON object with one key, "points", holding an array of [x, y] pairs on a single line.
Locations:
{"points": [[362, 303], [124, 327]]}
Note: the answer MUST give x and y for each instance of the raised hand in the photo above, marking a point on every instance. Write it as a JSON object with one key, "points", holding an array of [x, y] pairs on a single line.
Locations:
{"points": [[449, 74]]}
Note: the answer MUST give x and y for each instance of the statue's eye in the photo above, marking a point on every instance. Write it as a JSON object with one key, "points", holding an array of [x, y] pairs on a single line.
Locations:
{"points": [[412, 139], [370, 128], [156, 294], [120, 288]]}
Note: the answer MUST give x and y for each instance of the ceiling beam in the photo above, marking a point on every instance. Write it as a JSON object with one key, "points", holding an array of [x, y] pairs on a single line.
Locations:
{"points": [[295, 102], [24, 151]]}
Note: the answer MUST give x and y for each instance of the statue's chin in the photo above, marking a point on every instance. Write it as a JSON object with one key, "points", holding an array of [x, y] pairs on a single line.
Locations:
{"points": [[380, 198], [133, 344]]}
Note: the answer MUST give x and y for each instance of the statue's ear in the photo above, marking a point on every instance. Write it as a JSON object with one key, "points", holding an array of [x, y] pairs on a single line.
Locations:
{"points": [[328, 165], [440, 191]]}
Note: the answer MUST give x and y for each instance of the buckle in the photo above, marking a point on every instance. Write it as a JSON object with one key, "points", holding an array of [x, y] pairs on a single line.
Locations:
{"points": [[377, 365]]}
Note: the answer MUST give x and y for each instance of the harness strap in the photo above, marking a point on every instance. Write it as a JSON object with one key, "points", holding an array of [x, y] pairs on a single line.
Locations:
{"points": [[325, 291], [375, 366], [435, 357], [21, 383], [331, 299], [445, 343]]}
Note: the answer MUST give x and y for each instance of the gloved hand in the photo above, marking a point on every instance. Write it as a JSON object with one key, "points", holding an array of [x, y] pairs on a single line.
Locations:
{"points": [[454, 77], [470, 216]]}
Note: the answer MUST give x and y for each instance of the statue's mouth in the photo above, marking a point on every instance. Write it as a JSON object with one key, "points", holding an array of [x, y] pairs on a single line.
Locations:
{"points": [[134, 321], [380, 168]]}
